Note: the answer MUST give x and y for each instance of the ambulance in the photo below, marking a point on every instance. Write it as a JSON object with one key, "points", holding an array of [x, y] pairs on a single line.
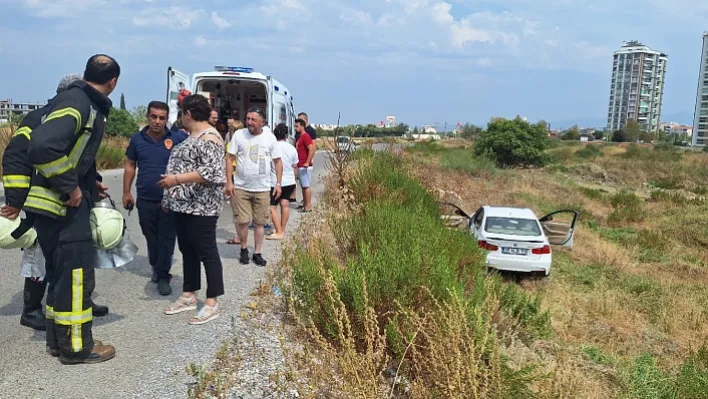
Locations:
{"points": [[232, 90]]}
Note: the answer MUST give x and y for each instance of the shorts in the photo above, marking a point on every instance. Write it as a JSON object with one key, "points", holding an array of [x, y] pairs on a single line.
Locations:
{"points": [[286, 193], [252, 206], [234, 207], [305, 175]]}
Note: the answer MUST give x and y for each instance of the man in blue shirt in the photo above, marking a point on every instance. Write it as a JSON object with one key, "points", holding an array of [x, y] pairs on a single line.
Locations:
{"points": [[149, 150]]}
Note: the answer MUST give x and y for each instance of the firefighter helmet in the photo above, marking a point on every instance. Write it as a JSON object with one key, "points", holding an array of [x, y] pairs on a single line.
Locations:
{"points": [[107, 225], [7, 241]]}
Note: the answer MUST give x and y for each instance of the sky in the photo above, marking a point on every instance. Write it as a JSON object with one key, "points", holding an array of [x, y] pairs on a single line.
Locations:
{"points": [[425, 62]]}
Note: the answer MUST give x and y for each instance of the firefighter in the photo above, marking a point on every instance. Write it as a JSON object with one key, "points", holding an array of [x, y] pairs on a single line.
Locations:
{"points": [[17, 172], [62, 192]]}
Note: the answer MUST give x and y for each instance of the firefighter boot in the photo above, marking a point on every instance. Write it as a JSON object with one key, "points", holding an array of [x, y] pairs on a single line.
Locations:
{"points": [[99, 353], [32, 315]]}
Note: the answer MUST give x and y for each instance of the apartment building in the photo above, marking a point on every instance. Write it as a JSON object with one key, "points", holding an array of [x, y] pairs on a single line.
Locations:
{"points": [[9, 107], [700, 116], [675, 128], [637, 87]]}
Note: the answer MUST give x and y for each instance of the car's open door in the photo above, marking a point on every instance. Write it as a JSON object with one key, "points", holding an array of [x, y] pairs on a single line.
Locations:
{"points": [[559, 227], [176, 81], [453, 216]]}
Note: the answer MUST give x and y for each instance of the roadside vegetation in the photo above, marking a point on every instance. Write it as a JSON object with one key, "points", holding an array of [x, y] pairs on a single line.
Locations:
{"points": [[627, 304]]}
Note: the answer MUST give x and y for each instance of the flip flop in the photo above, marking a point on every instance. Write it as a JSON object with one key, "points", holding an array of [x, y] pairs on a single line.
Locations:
{"points": [[233, 241]]}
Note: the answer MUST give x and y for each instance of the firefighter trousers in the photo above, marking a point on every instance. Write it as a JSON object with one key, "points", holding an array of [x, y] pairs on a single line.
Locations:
{"points": [[71, 257]]}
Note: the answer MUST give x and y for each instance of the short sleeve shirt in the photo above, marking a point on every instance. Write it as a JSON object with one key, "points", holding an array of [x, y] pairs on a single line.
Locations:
{"points": [[311, 131], [205, 157], [254, 156], [151, 158], [302, 150]]}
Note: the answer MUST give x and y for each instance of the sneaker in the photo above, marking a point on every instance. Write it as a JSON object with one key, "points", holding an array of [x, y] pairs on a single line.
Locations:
{"points": [[244, 256], [205, 315], [163, 287], [258, 260], [182, 304]]}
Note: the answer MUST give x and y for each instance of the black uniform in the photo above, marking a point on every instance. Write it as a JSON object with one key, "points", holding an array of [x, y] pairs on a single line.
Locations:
{"points": [[17, 174], [63, 151]]}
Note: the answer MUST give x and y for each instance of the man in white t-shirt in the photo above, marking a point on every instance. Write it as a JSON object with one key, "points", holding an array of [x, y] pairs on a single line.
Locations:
{"points": [[288, 157], [255, 150]]}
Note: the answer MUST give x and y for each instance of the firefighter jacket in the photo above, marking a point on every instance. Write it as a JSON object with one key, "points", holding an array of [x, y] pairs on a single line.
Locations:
{"points": [[16, 168], [63, 149]]}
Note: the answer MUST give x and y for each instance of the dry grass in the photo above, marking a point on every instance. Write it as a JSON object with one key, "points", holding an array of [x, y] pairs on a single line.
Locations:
{"points": [[631, 285]]}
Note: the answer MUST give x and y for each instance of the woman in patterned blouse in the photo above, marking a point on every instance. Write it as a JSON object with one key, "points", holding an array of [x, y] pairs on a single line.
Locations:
{"points": [[194, 186]]}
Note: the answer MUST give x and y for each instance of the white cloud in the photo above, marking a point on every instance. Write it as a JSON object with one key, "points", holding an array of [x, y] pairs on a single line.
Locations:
{"points": [[441, 13], [462, 34], [221, 23], [168, 17]]}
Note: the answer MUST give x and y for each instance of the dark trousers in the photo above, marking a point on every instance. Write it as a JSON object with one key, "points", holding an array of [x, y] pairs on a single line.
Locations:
{"points": [[70, 261], [196, 237], [159, 230]]}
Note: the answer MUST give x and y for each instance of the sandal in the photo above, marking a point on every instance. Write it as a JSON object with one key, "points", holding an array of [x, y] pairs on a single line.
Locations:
{"points": [[182, 304], [233, 241], [205, 315]]}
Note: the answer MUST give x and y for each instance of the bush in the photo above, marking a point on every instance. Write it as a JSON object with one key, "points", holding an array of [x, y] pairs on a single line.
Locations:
{"points": [[627, 208], [423, 285], [120, 123], [590, 152], [464, 160], [513, 143]]}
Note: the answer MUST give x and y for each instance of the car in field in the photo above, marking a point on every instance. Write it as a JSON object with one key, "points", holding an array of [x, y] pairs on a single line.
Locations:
{"points": [[515, 239], [346, 144]]}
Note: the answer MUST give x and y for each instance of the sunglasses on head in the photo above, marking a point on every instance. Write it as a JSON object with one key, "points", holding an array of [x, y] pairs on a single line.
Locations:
{"points": [[257, 110]]}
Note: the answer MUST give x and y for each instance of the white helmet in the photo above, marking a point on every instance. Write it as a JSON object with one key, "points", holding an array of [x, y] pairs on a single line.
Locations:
{"points": [[7, 241], [107, 225]]}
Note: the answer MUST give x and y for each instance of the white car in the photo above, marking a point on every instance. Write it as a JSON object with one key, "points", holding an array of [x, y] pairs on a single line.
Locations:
{"points": [[346, 144], [516, 240]]}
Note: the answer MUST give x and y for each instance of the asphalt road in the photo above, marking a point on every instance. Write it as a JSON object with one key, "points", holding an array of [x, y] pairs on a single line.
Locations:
{"points": [[152, 349]]}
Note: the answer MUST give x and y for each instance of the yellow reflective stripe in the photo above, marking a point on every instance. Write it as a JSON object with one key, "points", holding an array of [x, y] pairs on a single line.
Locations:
{"points": [[60, 113], [49, 312], [79, 147], [45, 200], [45, 193], [56, 167], [71, 318], [16, 181], [24, 131], [77, 299]]}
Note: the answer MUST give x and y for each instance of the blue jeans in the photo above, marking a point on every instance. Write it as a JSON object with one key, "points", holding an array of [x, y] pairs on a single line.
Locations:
{"points": [[159, 230]]}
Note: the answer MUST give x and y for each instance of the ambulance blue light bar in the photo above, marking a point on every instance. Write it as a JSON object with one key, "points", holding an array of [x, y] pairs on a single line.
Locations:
{"points": [[219, 68]]}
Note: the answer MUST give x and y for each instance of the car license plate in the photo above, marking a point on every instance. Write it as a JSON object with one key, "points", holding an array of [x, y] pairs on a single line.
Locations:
{"points": [[515, 251]]}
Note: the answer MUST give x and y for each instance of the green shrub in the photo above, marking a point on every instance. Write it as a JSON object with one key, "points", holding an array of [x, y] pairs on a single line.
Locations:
{"points": [[399, 251], [590, 152], [464, 160], [120, 123], [109, 157], [627, 208], [593, 193], [633, 152], [673, 182], [513, 143]]}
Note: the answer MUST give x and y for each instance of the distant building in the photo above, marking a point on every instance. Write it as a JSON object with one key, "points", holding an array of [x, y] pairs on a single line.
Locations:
{"points": [[700, 116], [675, 128], [9, 107], [424, 136], [637, 87], [428, 129]]}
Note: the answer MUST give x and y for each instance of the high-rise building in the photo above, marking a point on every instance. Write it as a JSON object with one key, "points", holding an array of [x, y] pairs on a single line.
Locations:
{"points": [[701, 112], [637, 87]]}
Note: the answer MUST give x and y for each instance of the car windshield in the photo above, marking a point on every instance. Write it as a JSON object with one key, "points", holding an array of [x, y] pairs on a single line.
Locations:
{"points": [[512, 226], [342, 140]]}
